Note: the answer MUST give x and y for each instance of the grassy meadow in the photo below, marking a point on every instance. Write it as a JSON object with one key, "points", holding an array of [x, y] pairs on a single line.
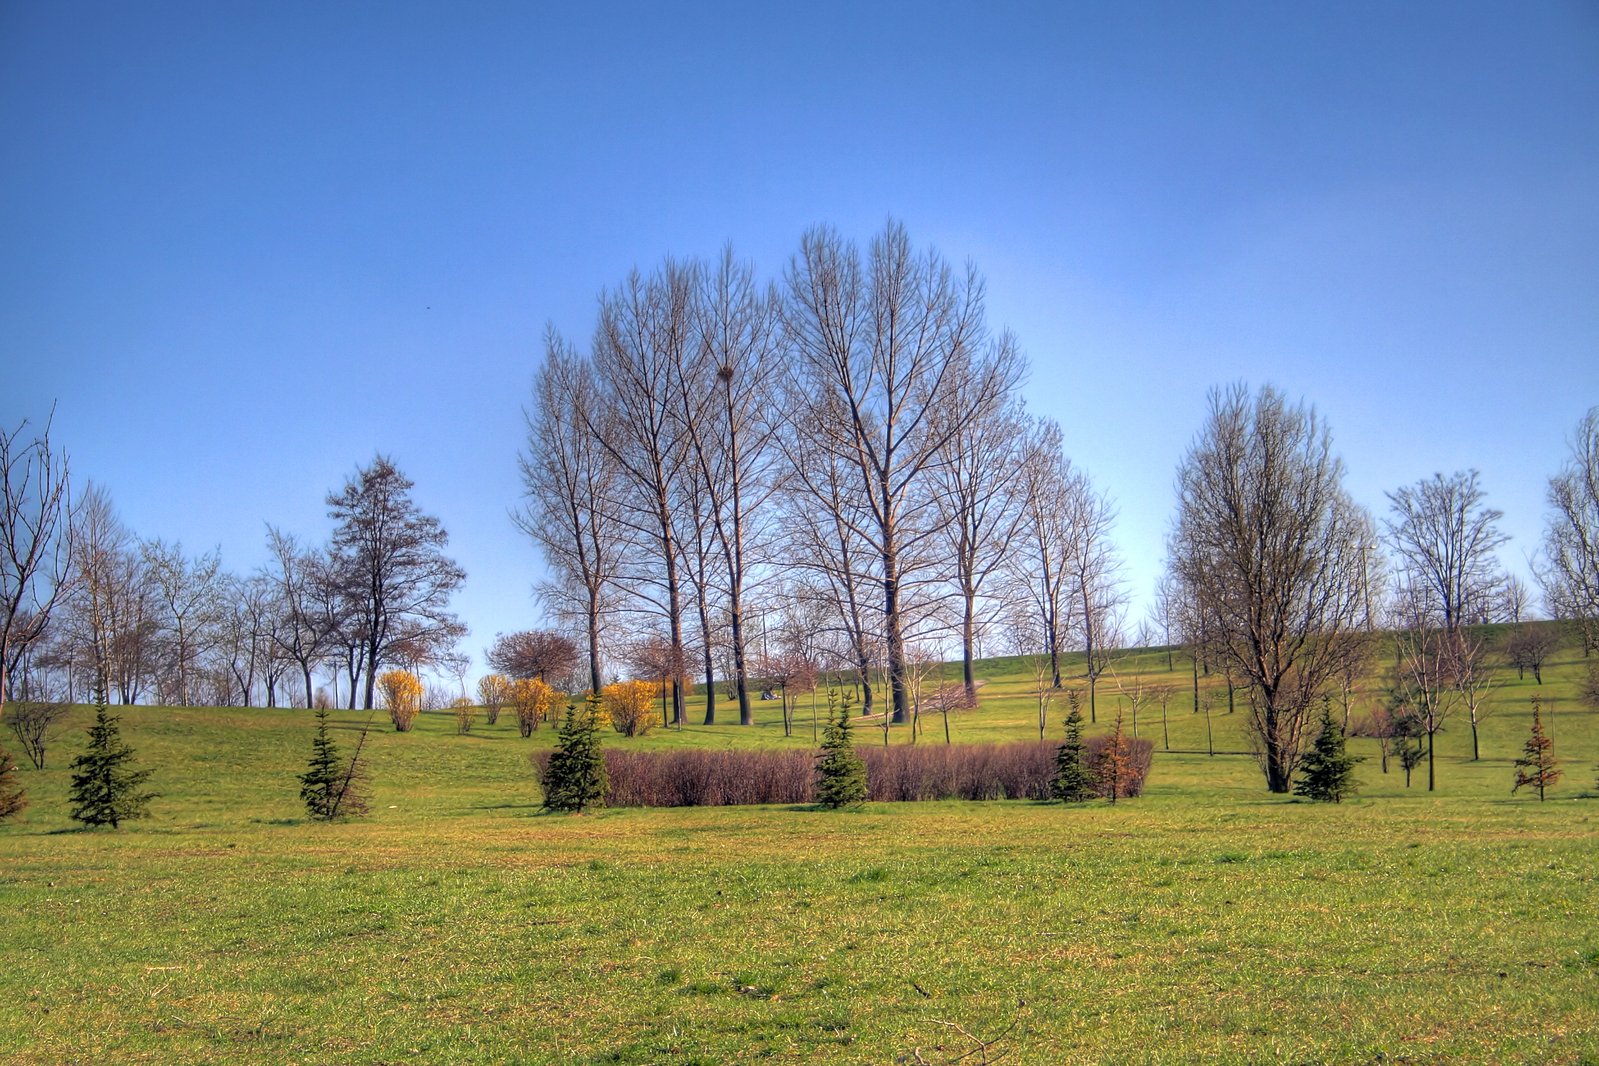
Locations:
{"points": [[1206, 921]]}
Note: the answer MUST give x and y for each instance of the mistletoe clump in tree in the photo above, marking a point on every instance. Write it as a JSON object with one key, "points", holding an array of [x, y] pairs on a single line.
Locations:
{"points": [[1327, 773], [575, 777], [105, 786], [330, 786], [1074, 781], [840, 772]]}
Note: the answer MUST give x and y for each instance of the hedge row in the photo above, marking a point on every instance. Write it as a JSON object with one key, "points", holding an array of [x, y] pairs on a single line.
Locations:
{"points": [[700, 778]]}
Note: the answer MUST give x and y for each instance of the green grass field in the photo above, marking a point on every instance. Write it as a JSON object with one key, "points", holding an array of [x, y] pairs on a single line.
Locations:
{"points": [[1207, 921]]}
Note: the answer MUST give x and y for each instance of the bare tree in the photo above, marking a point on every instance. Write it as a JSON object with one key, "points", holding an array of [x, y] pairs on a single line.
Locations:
{"points": [[1428, 656], [1096, 573], [112, 615], [1444, 539], [188, 609], [1570, 576], [1040, 567], [308, 605], [37, 531], [1528, 645], [877, 349], [724, 395], [641, 340], [569, 483], [1267, 545], [388, 558], [539, 653], [976, 499]]}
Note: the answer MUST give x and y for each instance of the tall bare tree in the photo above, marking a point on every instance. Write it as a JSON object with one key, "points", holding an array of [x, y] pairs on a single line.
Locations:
{"points": [[1096, 572], [877, 348], [642, 338], [569, 488], [112, 617], [1267, 545], [311, 609], [978, 512], [725, 391], [388, 558], [1049, 490], [36, 540], [1444, 538], [1570, 575], [187, 596]]}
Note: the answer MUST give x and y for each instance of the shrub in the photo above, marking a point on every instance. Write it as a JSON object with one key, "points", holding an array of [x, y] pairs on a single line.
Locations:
{"points": [[32, 721], [533, 701], [402, 694], [494, 692], [629, 706], [465, 713]]}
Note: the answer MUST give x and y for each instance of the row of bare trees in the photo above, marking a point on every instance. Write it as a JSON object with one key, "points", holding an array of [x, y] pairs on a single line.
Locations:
{"points": [[835, 468], [140, 620]]}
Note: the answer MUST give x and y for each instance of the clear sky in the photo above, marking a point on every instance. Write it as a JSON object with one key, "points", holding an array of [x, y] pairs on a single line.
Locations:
{"points": [[245, 246]]}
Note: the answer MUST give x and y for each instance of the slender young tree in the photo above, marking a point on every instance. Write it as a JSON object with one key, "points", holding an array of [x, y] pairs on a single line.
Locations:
{"points": [[840, 771], [1537, 768], [1327, 773], [1074, 782], [1444, 538], [1268, 547], [105, 786]]}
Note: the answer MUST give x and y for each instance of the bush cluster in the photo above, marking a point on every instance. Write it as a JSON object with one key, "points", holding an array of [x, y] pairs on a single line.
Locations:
{"points": [[698, 778]]}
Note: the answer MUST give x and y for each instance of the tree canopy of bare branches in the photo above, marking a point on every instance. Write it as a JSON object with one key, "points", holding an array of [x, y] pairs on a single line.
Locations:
{"points": [[1267, 546], [388, 557], [1570, 576], [36, 539], [1444, 538]]}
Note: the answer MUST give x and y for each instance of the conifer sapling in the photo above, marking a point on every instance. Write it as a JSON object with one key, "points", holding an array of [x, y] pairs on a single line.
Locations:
{"points": [[1074, 782], [1327, 773], [1537, 768], [575, 778], [840, 771], [12, 796], [105, 787]]}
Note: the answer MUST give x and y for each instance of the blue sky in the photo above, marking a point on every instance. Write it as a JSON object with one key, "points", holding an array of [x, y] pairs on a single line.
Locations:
{"points": [[243, 247]]}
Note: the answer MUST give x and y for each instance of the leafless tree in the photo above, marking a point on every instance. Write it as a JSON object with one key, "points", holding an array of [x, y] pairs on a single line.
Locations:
{"points": [[1515, 600], [569, 483], [1040, 564], [1570, 575], [1444, 538], [1096, 574], [388, 558], [729, 423], [31, 721], [1476, 680], [37, 530], [111, 611], [642, 338], [977, 508], [888, 354], [1267, 544], [1528, 646], [1426, 692], [539, 653], [187, 598], [309, 609]]}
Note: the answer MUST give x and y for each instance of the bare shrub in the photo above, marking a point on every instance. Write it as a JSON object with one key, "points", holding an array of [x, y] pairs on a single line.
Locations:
{"points": [[32, 722]]}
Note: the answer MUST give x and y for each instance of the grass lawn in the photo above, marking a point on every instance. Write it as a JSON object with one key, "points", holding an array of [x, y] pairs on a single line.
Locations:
{"points": [[1207, 921]]}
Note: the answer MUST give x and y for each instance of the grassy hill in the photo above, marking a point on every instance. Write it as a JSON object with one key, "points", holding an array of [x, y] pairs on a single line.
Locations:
{"points": [[1206, 921]]}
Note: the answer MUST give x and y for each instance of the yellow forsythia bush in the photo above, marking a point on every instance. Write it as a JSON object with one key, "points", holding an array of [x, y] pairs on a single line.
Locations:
{"points": [[533, 701], [402, 693], [631, 706]]}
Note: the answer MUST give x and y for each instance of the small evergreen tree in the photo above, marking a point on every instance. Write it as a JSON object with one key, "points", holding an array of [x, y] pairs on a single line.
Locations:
{"points": [[1327, 773], [105, 787], [331, 787], [840, 771], [1074, 782], [1537, 768], [1115, 763], [12, 796], [575, 778]]}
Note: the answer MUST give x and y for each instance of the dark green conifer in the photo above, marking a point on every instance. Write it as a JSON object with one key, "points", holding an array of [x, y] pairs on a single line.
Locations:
{"points": [[840, 772], [575, 778], [12, 796], [1327, 773], [1074, 781], [330, 787], [105, 786]]}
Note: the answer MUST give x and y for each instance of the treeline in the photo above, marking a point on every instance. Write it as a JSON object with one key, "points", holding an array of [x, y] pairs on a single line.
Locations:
{"points": [[142, 620]]}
